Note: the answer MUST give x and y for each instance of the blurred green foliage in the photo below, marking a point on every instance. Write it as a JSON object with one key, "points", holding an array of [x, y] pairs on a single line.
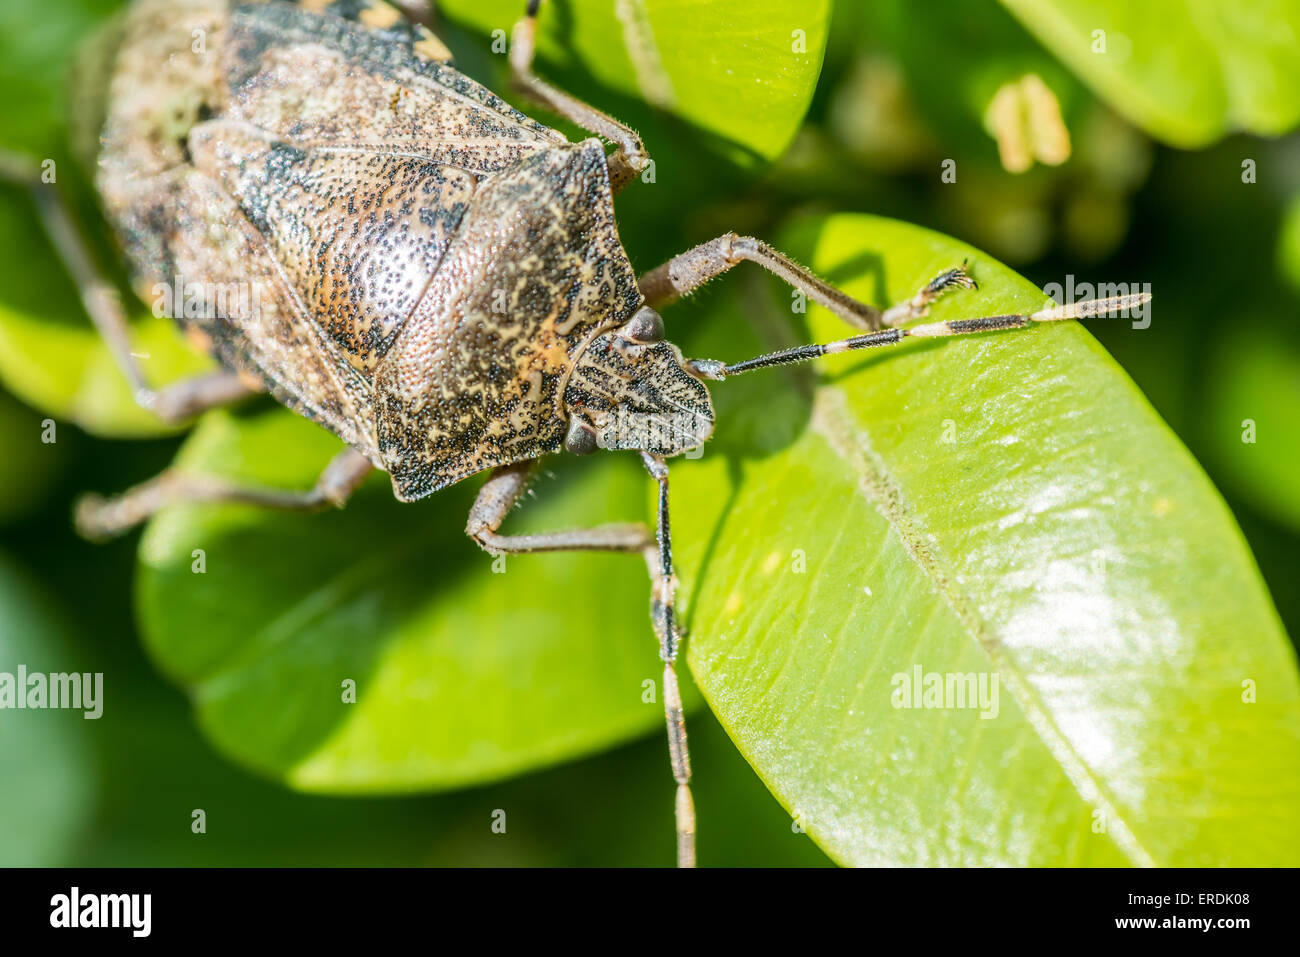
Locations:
{"points": [[904, 87]]}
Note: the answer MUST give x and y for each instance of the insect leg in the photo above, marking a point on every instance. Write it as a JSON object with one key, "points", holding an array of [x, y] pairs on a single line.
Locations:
{"points": [[714, 369], [919, 304], [662, 614], [184, 398], [102, 303], [685, 273], [629, 159], [97, 517], [499, 494]]}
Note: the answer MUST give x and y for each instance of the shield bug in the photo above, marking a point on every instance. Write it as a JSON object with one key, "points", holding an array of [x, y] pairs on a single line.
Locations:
{"points": [[391, 250]]}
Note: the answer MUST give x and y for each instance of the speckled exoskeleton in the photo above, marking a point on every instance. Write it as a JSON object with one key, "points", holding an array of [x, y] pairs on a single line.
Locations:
{"points": [[392, 251]]}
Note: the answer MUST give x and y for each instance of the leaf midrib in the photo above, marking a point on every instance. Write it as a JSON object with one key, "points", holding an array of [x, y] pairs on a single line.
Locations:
{"points": [[831, 421], [652, 79]]}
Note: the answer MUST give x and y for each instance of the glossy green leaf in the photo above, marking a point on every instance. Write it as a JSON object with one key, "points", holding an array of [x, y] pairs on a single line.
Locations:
{"points": [[1001, 505], [1186, 73], [49, 783], [464, 670], [743, 74], [150, 767]]}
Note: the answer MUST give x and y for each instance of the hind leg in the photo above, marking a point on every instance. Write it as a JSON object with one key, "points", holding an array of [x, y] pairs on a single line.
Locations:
{"points": [[688, 271], [495, 499]]}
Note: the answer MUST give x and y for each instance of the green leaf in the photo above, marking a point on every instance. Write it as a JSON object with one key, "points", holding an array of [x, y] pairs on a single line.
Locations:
{"points": [[49, 780], [462, 673], [743, 74], [1008, 505], [1187, 74]]}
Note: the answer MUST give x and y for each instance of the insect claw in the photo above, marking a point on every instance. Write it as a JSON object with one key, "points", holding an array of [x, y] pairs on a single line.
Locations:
{"points": [[918, 307], [957, 276]]}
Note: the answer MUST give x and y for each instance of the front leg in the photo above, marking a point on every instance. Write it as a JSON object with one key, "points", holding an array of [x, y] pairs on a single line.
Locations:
{"points": [[687, 272], [495, 499], [500, 493]]}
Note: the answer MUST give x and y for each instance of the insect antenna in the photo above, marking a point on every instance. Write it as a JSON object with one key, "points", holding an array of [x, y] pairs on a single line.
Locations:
{"points": [[714, 369]]}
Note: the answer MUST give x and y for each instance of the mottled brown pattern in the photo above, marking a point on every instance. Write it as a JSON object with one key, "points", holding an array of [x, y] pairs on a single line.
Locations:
{"points": [[429, 263], [366, 94], [292, 357], [358, 234], [473, 380], [155, 97]]}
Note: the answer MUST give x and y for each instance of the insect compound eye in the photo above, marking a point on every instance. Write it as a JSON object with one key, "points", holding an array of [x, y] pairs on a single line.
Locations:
{"points": [[581, 439], [646, 325]]}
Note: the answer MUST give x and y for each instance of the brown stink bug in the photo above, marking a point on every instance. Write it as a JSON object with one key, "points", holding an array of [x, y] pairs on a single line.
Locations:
{"points": [[416, 266]]}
